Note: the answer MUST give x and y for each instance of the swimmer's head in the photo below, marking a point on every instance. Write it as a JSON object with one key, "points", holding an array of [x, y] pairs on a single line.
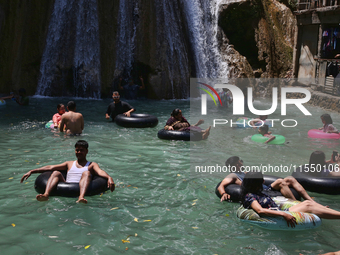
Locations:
{"points": [[234, 163], [264, 129], [326, 119], [82, 143], [71, 106], [61, 108], [116, 96], [263, 117]]}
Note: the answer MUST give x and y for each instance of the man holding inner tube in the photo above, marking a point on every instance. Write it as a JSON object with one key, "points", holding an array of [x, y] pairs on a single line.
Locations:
{"points": [[282, 185], [118, 107], [79, 171]]}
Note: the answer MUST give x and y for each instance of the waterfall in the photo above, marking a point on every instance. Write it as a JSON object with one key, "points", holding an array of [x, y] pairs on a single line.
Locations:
{"points": [[128, 18], [202, 23], [70, 63], [170, 34]]}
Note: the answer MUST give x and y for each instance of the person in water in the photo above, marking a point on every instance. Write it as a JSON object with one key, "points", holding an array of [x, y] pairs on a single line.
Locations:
{"points": [[328, 124], [253, 198], [318, 166], [118, 107], [57, 117], [178, 122], [79, 171], [264, 130], [131, 89], [21, 99], [72, 122], [282, 185], [258, 121]]}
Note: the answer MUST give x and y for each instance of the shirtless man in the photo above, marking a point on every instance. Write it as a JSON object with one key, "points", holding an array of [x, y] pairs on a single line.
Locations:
{"points": [[79, 171], [73, 121]]}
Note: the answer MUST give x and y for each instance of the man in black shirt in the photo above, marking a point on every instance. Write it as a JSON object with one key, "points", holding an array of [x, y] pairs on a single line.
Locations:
{"points": [[118, 107]]}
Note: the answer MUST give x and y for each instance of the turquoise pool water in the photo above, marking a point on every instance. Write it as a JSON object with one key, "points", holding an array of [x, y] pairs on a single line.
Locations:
{"points": [[160, 206]]}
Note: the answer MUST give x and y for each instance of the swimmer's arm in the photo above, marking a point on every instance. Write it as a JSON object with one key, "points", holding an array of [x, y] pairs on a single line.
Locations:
{"points": [[230, 179], [129, 112], [60, 167], [82, 122], [271, 138], [291, 221], [199, 123], [102, 173]]}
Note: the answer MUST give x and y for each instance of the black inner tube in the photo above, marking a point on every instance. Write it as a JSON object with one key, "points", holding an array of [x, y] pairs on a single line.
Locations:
{"points": [[136, 120], [97, 186], [179, 135], [234, 190], [324, 185]]}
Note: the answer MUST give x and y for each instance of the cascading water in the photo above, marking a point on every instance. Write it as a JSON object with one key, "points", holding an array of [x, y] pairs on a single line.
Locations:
{"points": [[128, 18], [70, 64], [171, 32], [202, 23]]}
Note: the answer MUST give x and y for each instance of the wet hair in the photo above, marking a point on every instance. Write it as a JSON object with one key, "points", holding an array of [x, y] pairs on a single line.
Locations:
{"points": [[71, 105], [82, 143], [232, 161], [115, 92], [265, 128], [263, 117], [318, 158], [175, 112], [327, 118], [252, 183], [59, 106]]}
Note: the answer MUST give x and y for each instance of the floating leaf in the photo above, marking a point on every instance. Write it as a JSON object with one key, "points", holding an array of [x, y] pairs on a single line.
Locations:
{"points": [[37, 163], [193, 203], [135, 187], [27, 182], [10, 178], [135, 219], [227, 215], [13, 225], [205, 187], [53, 236], [26, 161], [178, 175], [114, 208], [125, 241], [146, 220], [126, 248], [101, 194], [194, 200], [136, 234], [128, 185], [195, 227], [88, 246], [9, 149]]}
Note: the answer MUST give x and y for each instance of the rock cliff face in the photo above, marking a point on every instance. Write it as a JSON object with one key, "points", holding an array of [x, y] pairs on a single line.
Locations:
{"points": [[263, 32], [153, 39], [23, 28]]}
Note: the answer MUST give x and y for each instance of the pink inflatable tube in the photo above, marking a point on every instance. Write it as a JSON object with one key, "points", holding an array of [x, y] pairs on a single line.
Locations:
{"points": [[315, 133]]}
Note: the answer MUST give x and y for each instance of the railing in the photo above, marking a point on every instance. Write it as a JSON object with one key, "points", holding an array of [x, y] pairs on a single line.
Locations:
{"points": [[314, 4]]}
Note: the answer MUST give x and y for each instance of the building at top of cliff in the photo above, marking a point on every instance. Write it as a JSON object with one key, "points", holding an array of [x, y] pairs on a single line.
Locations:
{"points": [[317, 43]]}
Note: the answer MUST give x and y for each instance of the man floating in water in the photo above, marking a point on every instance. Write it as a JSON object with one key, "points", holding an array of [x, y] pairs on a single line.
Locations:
{"points": [[79, 171], [118, 107]]}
